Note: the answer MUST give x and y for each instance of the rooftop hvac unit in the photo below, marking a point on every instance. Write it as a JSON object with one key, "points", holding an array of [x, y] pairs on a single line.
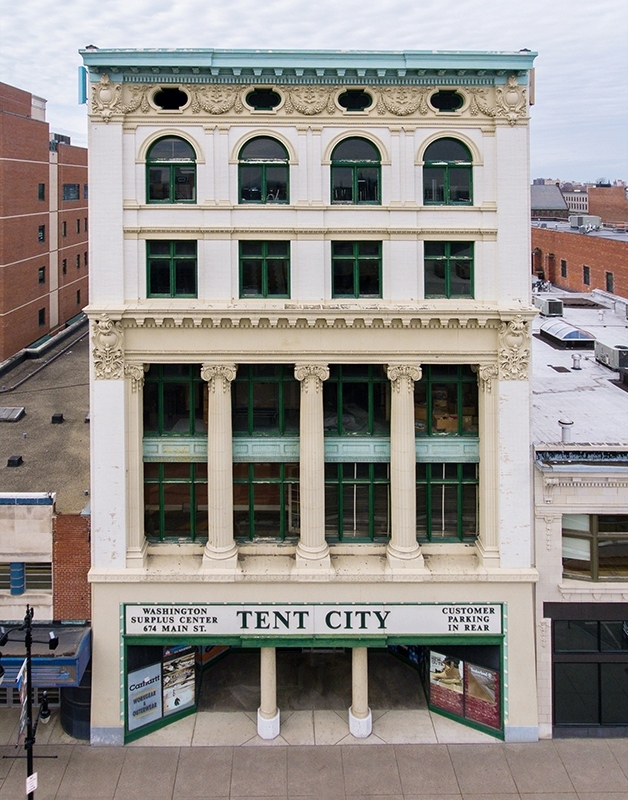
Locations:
{"points": [[613, 356], [549, 307]]}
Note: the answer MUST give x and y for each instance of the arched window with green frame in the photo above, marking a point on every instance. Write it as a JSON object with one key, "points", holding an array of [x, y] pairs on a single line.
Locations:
{"points": [[447, 173], [263, 171], [355, 173], [171, 171]]}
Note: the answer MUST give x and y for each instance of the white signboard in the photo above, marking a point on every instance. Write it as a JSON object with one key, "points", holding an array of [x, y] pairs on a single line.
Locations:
{"points": [[31, 783], [144, 696], [313, 620]]}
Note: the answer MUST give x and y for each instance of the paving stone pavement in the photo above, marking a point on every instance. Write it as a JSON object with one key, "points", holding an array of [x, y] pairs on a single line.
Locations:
{"points": [[562, 769]]}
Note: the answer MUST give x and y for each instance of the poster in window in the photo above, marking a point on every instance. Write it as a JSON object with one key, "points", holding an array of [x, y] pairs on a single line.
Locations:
{"points": [[144, 696], [446, 690], [482, 698], [179, 679]]}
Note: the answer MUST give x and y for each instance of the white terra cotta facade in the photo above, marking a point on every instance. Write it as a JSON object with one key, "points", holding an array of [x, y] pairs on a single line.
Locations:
{"points": [[346, 326]]}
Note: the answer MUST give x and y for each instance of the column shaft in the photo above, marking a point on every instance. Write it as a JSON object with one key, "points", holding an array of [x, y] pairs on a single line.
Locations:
{"points": [[268, 713], [488, 411], [136, 541], [360, 719]]}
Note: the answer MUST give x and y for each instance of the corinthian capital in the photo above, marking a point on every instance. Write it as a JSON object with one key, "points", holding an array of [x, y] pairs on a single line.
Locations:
{"points": [[222, 373], [311, 375], [485, 373], [135, 372], [396, 372]]}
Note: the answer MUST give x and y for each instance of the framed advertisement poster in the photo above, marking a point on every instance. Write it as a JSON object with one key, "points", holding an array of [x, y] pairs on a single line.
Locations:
{"points": [[144, 696], [179, 679], [482, 699], [446, 683]]}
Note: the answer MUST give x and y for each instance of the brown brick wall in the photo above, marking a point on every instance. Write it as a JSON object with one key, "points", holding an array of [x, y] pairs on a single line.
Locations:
{"points": [[600, 255], [608, 202], [71, 559]]}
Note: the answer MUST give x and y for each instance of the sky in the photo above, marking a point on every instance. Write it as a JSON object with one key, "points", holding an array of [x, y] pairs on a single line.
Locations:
{"points": [[579, 128]]}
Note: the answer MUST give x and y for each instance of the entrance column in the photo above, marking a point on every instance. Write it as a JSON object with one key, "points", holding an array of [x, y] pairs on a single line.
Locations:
{"points": [[360, 717], [312, 550], [403, 549], [221, 553], [487, 542], [268, 713]]}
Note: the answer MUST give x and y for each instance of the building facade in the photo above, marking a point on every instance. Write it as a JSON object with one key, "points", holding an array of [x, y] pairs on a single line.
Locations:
{"points": [[43, 224], [310, 310]]}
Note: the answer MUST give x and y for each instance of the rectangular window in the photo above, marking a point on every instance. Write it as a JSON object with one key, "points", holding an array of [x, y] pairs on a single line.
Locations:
{"points": [[85, 258], [563, 268], [266, 500], [85, 224], [64, 266], [78, 225], [78, 260], [85, 191], [38, 576], [41, 233], [175, 400], [356, 269], [595, 546], [446, 401], [609, 282], [448, 269], [357, 501], [78, 297], [41, 191], [265, 400], [586, 275], [171, 268], [264, 269], [446, 501], [41, 275], [175, 501], [356, 401], [41, 316], [64, 229], [71, 191]]}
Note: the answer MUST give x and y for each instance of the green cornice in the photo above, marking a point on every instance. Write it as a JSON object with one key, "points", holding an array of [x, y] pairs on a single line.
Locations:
{"points": [[308, 66]]}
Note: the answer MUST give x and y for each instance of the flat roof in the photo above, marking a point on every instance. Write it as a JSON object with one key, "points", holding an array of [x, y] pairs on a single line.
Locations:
{"points": [[565, 227]]}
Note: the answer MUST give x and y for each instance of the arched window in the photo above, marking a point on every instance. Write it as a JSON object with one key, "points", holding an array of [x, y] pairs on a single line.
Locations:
{"points": [[355, 172], [263, 171], [447, 174], [171, 171]]}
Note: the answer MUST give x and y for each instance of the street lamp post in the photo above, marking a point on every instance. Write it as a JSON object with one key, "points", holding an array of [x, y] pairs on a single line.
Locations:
{"points": [[43, 711]]}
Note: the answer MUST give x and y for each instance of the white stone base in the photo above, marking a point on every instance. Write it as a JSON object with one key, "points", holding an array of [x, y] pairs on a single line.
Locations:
{"points": [[399, 561], [360, 728], [217, 562], [267, 728]]}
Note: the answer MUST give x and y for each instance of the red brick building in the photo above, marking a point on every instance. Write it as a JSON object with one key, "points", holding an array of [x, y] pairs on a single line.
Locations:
{"points": [[581, 262], [43, 224], [609, 202]]}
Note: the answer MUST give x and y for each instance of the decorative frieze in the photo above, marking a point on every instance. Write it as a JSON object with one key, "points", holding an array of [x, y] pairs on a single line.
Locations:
{"points": [[514, 349], [107, 353]]}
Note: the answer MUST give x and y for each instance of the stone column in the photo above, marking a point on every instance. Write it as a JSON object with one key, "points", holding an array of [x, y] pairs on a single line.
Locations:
{"points": [[136, 541], [403, 549], [488, 489], [312, 550], [360, 717], [221, 552], [268, 713]]}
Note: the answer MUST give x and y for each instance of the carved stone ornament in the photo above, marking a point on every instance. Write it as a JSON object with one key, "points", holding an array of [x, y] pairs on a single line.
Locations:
{"points": [[303, 373], [139, 99], [106, 97], [402, 101], [215, 99], [544, 631], [107, 352], [511, 100], [549, 523], [309, 100], [136, 373], [514, 350], [224, 373], [485, 373], [397, 371]]}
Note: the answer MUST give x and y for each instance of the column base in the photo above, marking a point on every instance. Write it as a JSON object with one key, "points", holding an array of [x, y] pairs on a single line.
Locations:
{"points": [[310, 559], [136, 556], [410, 560], [221, 561], [488, 556], [267, 728], [360, 727]]}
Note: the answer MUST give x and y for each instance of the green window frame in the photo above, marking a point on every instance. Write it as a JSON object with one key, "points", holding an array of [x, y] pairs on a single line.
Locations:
{"points": [[263, 172], [175, 400], [175, 501], [595, 546], [446, 502], [356, 269], [356, 400], [265, 400], [171, 268], [446, 401], [357, 501], [447, 173], [266, 502], [264, 268], [171, 171], [355, 173], [448, 269]]}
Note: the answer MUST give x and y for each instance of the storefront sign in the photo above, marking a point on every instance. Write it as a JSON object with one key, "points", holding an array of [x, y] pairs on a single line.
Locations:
{"points": [[313, 620]]}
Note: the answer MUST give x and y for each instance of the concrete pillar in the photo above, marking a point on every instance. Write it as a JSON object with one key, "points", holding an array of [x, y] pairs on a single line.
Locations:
{"points": [[360, 717], [312, 550], [488, 517], [136, 541], [403, 549], [268, 713], [221, 552]]}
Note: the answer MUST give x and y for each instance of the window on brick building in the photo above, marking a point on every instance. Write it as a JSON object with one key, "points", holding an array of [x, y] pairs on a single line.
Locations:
{"points": [[41, 191], [586, 275], [85, 224], [78, 297], [64, 229], [78, 225], [64, 266], [610, 282], [41, 317], [85, 258], [41, 275], [41, 233], [71, 191], [78, 260], [563, 268]]}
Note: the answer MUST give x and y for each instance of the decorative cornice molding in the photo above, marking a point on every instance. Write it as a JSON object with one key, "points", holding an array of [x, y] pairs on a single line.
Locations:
{"points": [[485, 234], [514, 351], [107, 354]]}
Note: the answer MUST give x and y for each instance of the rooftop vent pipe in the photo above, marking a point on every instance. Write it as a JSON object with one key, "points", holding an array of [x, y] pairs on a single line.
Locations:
{"points": [[575, 361], [566, 428]]}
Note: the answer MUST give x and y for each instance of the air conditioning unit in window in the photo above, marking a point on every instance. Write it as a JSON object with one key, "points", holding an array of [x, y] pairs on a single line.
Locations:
{"points": [[549, 307], [613, 356]]}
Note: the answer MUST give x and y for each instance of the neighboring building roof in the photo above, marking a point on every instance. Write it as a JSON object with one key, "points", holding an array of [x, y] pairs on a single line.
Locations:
{"points": [[600, 233], [592, 397], [55, 457], [546, 198]]}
